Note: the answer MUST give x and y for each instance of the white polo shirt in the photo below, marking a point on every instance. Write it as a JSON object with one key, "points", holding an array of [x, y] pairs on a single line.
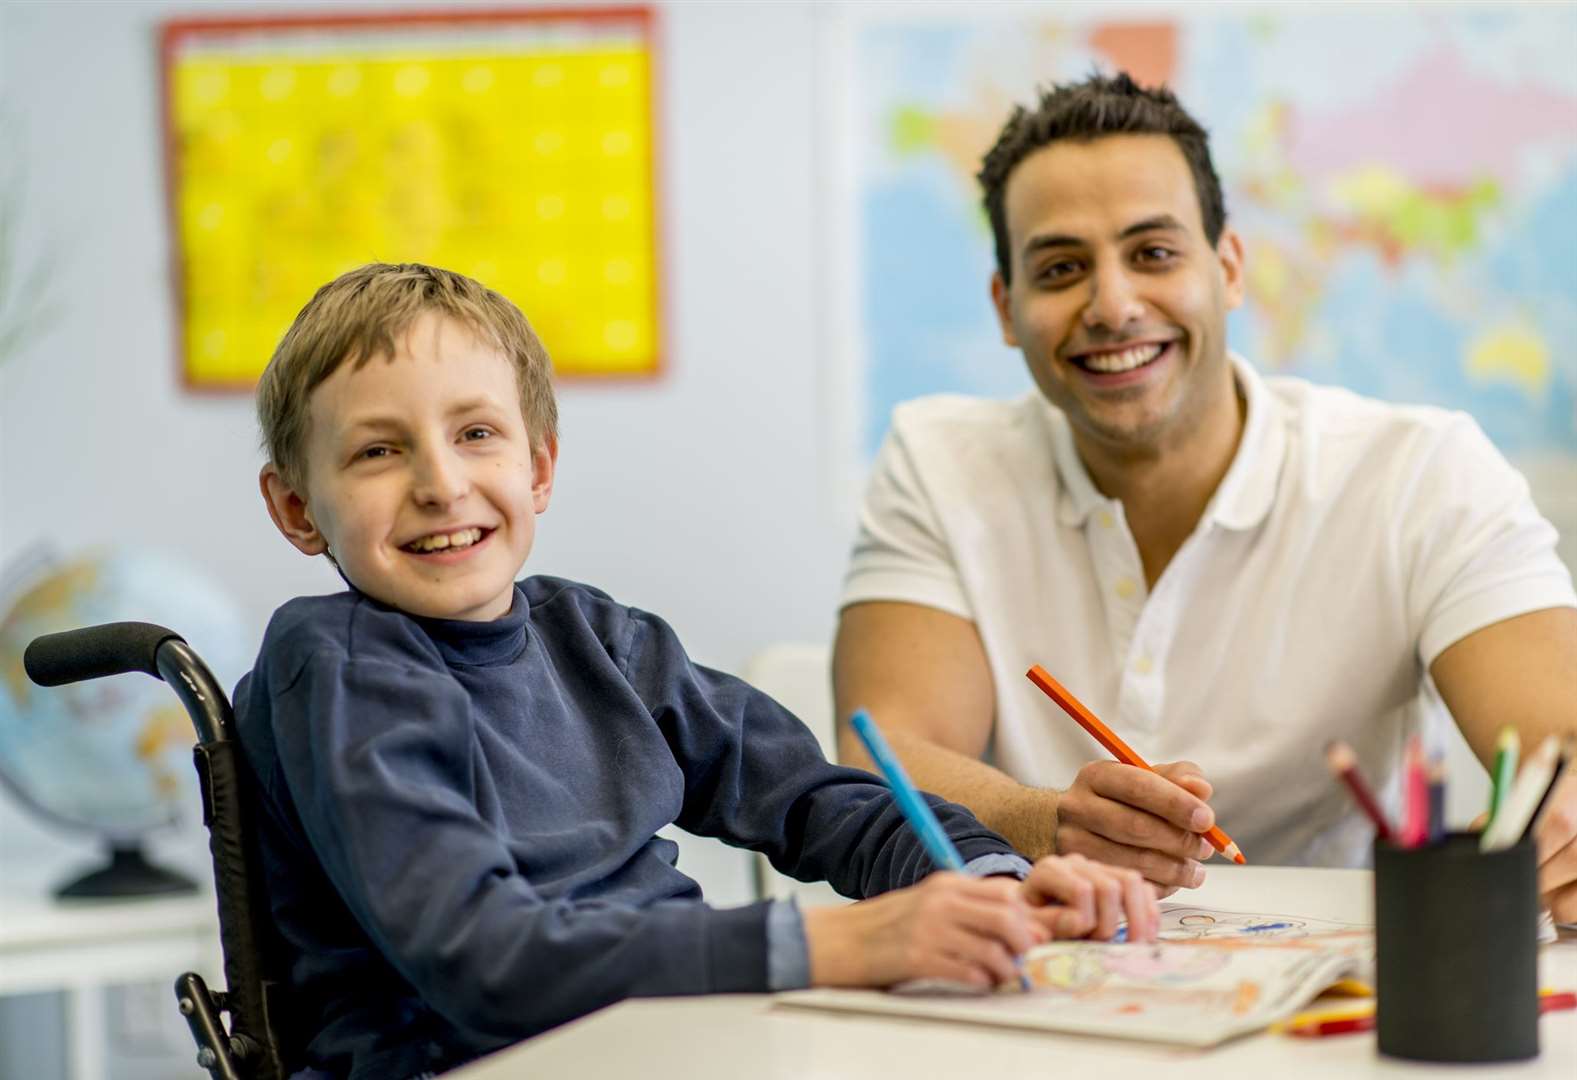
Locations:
{"points": [[1349, 544]]}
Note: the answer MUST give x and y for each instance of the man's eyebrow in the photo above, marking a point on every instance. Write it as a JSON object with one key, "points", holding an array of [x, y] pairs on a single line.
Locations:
{"points": [[1050, 240], [1158, 223]]}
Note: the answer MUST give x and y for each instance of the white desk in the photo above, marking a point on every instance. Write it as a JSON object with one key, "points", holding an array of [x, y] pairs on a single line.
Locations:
{"points": [[79, 947], [723, 1038]]}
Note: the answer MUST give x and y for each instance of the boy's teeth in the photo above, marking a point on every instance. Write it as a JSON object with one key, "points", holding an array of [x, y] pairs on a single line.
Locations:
{"points": [[440, 541], [1126, 360]]}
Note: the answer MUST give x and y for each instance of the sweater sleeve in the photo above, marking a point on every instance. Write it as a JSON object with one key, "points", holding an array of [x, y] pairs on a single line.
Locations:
{"points": [[755, 777], [377, 758]]}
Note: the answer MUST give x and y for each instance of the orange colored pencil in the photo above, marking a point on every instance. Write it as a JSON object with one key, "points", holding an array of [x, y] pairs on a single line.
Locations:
{"points": [[1117, 748]]}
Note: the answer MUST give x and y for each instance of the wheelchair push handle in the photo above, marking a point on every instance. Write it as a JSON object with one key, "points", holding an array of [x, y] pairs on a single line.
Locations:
{"points": [[96, 651]]}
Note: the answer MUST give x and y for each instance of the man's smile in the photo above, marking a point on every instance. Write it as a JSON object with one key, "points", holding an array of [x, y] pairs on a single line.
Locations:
{"points": [[1122, 364]]}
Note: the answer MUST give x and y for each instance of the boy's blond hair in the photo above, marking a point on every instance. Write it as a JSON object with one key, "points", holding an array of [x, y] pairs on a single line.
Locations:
{"points": [[360, 315]]}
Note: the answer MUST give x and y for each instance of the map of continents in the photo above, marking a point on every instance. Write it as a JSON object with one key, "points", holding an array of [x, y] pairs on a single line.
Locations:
{"points": [[1405, 182]]}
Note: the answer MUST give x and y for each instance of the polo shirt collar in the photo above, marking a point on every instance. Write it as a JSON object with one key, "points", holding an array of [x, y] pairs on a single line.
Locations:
{"points": [[1247, 491], [1244, 495]]}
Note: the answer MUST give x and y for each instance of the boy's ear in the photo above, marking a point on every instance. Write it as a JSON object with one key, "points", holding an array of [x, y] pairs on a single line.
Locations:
{"points": [[544, 459], [289, 512]]}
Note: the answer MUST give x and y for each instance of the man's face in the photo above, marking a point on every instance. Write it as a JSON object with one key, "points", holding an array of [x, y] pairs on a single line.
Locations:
{"points": [[421, 478], [1118, 301]]}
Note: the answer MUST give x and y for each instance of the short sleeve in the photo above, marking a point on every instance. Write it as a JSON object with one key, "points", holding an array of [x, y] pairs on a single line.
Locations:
{"points": [[1475, 547], [901, 551]]}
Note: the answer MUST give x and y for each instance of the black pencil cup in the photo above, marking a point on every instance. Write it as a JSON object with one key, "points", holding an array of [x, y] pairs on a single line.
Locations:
{"points": [[1456, 932]]}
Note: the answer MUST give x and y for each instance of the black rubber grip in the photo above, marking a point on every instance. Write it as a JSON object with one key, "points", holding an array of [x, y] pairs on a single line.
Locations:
{"points": [[94, 652]]}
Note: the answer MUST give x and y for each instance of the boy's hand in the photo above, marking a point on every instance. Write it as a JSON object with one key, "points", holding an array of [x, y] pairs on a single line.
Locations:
{"points": [[1150, 821], [949, 926], [1076, 897]]}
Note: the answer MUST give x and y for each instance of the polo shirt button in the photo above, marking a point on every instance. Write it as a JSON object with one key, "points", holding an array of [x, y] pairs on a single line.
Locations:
{"points": [[1106, 519], [1143, 665], [1125, 587]]}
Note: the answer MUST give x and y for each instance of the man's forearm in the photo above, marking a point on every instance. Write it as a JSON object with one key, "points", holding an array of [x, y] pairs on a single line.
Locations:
{"points": [[1026, 817]]}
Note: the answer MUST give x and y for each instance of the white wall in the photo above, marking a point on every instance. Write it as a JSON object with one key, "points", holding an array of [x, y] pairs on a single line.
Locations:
{"points": [[698, 496]]}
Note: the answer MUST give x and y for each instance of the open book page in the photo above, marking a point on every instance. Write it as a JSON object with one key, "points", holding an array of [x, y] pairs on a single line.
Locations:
{"points": [[1216, 974], [1184, 923]]}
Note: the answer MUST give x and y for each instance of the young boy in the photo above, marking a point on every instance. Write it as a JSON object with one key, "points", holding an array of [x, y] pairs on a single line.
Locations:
{"points": [[463, 776]]}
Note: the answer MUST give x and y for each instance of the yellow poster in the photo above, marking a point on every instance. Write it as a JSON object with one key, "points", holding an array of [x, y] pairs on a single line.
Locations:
{"points": [[513, 147]]}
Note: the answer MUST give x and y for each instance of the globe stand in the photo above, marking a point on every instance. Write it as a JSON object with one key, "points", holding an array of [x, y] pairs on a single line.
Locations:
{"points": [[129, 873]]}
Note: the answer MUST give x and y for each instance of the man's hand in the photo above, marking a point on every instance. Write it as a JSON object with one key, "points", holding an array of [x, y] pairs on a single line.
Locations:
{"points": [[1147, 821], [1555, 834], [1074, 897], [949, 926]]}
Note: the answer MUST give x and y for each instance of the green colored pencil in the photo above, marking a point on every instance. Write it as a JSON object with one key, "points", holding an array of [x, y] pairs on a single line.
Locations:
{"points": [[1508, 746]]}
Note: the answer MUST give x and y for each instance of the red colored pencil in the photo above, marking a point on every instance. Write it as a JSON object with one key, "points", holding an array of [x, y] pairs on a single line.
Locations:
{"points": [[1344, 763], [1549, 1001], [1415, 826], [1347, 1025], [1557, 1000], [1117, 748]]}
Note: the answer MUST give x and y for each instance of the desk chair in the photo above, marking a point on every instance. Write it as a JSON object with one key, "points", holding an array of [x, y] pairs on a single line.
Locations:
{"points": [[252, 1048], [798, 676]]}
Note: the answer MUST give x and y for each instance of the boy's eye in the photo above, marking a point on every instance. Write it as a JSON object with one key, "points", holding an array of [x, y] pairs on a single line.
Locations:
{"points": [[372, 452], [472, 434]]}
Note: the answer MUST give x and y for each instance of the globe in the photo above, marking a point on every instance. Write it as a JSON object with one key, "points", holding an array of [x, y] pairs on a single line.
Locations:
{"points": [[112, 756]]}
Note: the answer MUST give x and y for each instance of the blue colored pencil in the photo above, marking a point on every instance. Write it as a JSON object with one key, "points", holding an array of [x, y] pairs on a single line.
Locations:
{"points": [[916, 811]]}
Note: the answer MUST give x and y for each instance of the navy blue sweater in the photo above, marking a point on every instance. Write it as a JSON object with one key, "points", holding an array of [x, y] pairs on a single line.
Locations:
{"points": [[459, 821]]}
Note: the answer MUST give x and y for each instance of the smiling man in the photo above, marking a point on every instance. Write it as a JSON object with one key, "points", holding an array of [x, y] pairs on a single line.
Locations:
{"points": [[1229, 569]]}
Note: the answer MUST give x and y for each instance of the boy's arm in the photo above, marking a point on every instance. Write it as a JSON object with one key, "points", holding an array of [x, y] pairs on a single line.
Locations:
{"points": [[376, 758], [755, 777]]}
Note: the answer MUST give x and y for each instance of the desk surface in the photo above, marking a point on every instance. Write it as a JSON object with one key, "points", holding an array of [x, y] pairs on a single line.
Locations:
{"points": [[722, 1038]]}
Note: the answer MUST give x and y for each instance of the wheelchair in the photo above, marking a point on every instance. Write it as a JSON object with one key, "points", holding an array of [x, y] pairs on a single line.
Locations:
{"points": [[257, 1042]]}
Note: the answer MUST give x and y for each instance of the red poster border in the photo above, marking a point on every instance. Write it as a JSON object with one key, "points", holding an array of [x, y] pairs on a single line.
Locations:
{"points": [[173, 32]]}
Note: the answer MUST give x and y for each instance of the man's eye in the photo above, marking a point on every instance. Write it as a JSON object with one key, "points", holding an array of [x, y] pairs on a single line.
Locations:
{"points": [[1155, 253], [1058, 270]]}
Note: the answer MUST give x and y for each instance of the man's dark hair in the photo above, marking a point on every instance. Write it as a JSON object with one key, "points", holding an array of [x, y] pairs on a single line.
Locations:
{"points": [[1082, 111]]}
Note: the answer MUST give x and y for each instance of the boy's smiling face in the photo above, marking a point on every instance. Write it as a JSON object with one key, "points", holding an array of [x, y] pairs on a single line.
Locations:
{"points": [[421, 479]]}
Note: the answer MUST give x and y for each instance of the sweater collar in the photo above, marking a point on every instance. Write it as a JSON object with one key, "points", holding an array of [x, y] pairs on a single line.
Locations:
{"points": [[480, 644]]}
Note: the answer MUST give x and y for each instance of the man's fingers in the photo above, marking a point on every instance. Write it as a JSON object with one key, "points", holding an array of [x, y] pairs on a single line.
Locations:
{"points": [[1144, 790], [1556, 827], [1161, 867], [1122, 823], [1562, 903], [1187, 775], [1559, 869]]}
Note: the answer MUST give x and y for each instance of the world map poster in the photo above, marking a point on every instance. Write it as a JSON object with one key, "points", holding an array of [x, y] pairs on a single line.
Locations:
{"points": [[1405, 181]]}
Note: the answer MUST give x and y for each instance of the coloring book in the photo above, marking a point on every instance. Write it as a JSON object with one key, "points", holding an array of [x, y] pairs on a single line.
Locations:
{"points": [[1212, 976]]}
